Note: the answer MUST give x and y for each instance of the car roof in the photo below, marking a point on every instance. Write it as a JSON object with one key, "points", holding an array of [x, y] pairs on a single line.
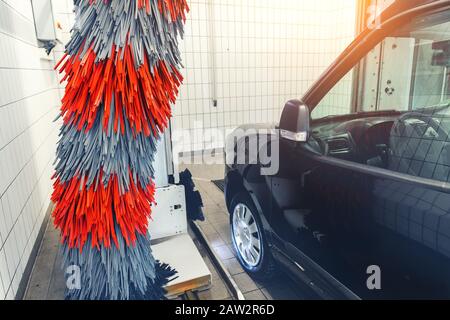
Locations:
{"points": [[402, 5]]}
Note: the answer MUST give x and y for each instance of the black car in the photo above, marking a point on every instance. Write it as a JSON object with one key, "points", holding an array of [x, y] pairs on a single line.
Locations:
{"points": [[359, 206]]}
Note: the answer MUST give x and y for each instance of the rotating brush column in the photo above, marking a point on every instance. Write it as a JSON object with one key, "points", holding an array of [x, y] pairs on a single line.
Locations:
{"points": [[122, 71]]}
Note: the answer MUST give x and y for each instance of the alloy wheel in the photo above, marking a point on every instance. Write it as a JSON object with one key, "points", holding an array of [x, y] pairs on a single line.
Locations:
{"points": [[246, 235]]}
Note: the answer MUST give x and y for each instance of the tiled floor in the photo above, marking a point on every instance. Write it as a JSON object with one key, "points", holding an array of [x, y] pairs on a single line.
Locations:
{"points": [[47, 278], [47, 281], [216, 229], [218, 290]]}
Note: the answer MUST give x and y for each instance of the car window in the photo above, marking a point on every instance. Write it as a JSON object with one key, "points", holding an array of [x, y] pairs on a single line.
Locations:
{"points": [[394, 105]]}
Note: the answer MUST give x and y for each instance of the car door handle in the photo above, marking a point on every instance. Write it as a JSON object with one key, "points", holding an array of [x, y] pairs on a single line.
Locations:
{"points": [[304, 175]]}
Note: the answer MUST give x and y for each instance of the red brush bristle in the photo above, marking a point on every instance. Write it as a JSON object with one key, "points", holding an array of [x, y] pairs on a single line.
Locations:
{"points": [[144, 97], [80, 211], [171, 8]]}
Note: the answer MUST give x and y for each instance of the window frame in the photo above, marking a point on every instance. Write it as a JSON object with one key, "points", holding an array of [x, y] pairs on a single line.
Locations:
{"points": [[350, 59]]}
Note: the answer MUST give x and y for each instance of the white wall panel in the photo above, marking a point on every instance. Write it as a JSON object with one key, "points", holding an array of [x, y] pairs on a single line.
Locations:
{"points": [[29, 103]]}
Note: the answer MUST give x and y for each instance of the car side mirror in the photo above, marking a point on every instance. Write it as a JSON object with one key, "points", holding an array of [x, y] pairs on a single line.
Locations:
{"points": [[294, 123]]}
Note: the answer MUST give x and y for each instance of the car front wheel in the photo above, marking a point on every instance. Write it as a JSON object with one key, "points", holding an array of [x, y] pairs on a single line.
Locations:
{"points": [[248, 238]]}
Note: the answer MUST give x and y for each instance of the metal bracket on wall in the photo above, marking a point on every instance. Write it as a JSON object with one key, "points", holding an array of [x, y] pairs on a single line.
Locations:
{"points": [[212, 52]]}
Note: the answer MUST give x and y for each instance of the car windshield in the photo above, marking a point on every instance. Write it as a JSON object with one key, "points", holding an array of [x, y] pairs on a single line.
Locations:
{"points": [[392, 110], [407, 71]]}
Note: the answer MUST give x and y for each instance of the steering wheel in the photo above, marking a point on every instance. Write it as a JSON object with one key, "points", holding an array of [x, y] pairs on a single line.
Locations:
{"points": [[427, 119]]}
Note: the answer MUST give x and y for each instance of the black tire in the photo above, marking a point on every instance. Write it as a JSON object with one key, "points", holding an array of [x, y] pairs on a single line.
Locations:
{"points": [[266, 268]]}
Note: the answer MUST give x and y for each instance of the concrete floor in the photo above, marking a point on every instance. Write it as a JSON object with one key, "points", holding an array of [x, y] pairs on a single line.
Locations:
{"points": [[217, 230], [47, 278]]}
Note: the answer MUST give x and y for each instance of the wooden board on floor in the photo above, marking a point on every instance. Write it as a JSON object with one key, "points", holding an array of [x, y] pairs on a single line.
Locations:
{"points": [[181, 253]]}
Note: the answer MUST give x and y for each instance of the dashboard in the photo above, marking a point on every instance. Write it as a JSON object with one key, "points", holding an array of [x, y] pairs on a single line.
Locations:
{"points": [[362, 140]]}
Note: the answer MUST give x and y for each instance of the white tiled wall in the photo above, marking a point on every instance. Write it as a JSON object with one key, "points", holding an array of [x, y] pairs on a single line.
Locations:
{"points": [[338, 100], [65, 17], [29, 103], [252, 56]]}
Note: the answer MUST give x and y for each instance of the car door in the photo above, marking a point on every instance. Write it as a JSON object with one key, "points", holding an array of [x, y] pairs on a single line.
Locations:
{"points": [[321, 218], [367, 198]]}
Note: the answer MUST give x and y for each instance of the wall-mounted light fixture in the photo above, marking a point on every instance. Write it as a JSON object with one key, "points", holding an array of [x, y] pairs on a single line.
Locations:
{"points": [[44, 24]]}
